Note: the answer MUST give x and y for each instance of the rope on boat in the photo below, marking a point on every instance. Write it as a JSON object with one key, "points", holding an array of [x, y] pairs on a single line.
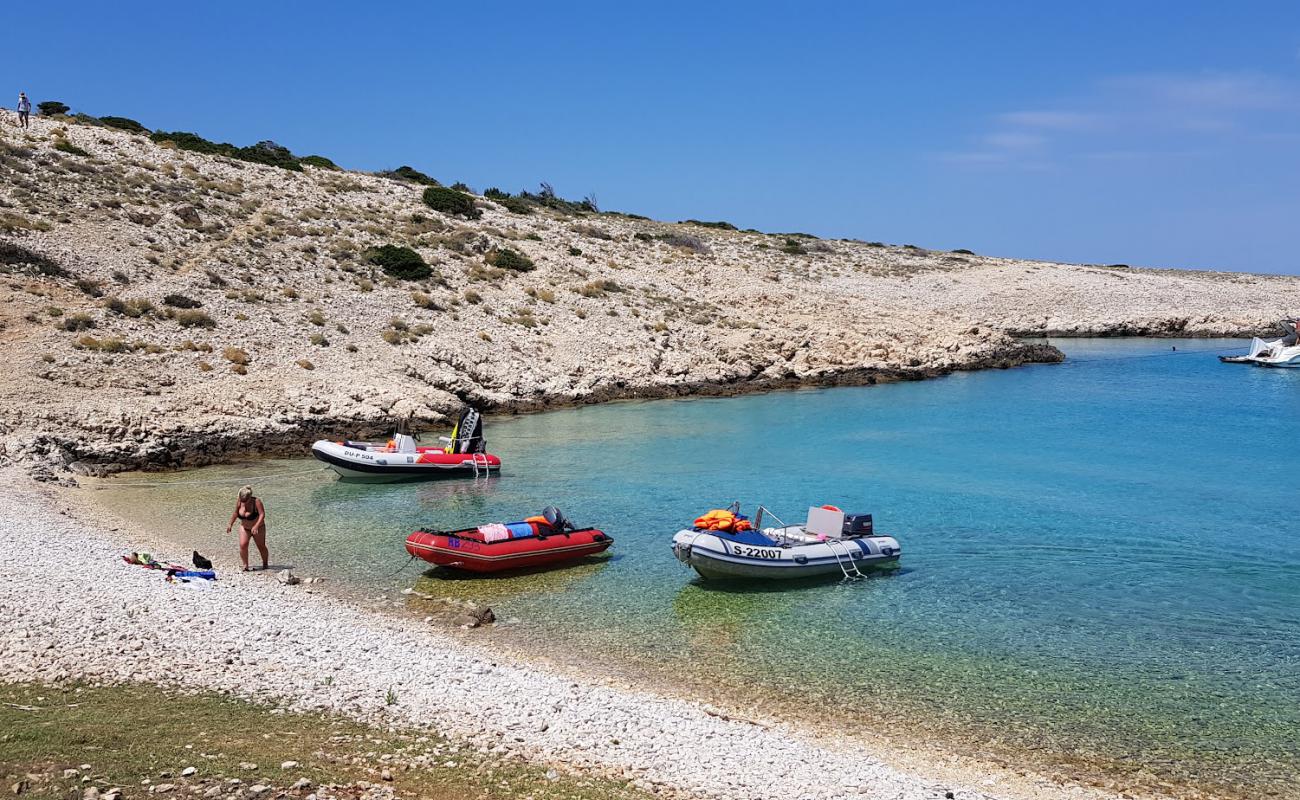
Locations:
{"points": [[1069, 360], [393, 574], [270, 476]]}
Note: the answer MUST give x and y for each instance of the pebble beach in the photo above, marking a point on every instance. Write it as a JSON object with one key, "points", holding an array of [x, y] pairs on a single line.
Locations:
{"points": [[72, 611]]}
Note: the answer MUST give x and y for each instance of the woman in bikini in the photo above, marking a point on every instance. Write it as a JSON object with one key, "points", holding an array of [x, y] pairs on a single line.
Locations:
{"points": [[252, 525]]}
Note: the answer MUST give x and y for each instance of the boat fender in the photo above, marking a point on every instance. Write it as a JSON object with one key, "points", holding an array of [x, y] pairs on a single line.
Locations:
{"points": [[833, 508]]}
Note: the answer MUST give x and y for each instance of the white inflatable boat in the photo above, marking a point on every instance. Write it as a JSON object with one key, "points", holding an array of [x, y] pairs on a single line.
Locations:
{"points": [[1283, 352], [829, 543], [401, 458]]}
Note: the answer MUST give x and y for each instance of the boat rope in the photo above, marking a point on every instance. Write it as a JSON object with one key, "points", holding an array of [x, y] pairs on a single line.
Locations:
{"points": [[393, 574], [1069, 360], [270, 476]]}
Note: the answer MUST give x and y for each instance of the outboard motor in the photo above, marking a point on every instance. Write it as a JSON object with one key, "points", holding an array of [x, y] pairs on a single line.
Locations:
{"points": [[856, 525], [556, 519]]}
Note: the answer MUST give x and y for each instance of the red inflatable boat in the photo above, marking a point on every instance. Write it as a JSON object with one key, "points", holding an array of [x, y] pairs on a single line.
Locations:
{"points": [[540, 541]]}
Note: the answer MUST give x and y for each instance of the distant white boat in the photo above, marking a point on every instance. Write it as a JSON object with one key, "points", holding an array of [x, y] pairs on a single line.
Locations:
{"points": [[1283, 352]]}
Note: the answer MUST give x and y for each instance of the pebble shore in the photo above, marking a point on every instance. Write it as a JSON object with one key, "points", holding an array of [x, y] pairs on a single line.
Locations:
{"points": [[70, 610]]}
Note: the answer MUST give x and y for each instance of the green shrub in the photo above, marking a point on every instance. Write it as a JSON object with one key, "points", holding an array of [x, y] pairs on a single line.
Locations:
{"points": [[270, 153], [516, 205], [575, 251], [399, 262], [319, 340], [266, 152], [505, 258], [50, 108], [181, 301], [461, 186], [545, 196], [495, 194], [405, 173], [793, 247], [725, 226], [450, 201], [123, 123], [65, 146], [964, 251], [318, 161]]}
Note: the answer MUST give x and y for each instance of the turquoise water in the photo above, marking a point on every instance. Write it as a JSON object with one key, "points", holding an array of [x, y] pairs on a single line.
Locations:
{"points": [[1101, 558]]}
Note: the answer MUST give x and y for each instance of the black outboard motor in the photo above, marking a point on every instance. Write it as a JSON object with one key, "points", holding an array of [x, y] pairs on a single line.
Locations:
{"points": [[857, 525], [467, 436], [556, 519]]}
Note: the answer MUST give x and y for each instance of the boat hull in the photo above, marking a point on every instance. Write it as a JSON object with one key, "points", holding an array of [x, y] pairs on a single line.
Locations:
{"points": [[357, 464], [715, 557], [447, 549]]}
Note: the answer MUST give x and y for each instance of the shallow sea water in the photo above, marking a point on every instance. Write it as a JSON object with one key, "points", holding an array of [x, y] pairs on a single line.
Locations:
{"points": [[1101, 558]]}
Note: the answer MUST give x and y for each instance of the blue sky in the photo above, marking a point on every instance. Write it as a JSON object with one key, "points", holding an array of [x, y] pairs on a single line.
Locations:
{"points": [[1153, 133]]}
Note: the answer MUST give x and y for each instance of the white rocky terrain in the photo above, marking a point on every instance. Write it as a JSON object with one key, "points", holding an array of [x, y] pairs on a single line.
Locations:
{"points": [[164, 307]]}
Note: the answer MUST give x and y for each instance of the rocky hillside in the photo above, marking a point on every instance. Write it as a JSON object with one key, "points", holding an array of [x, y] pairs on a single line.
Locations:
{"points": [[164, 306]]}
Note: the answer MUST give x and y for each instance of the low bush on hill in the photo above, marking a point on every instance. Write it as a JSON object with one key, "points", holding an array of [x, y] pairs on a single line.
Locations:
{"points": [[265, 152], [516, 205], [193, 318], [318, 161], [405, 173], [505, 258], [399, 262], [134, 307], [63, 145], [724, 226], [50, 108], [124, 124], [181, 301], [450, 201], [77, 322]]}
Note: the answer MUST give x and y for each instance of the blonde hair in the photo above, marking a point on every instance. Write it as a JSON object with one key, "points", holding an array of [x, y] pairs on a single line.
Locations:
{"points": [[245, 492]]}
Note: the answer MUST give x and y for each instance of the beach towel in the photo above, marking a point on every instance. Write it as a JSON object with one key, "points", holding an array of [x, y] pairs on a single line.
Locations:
{"points": [[520, 530], [496, 532]]}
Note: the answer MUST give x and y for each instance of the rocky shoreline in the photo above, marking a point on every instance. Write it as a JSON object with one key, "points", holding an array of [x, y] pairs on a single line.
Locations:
{"points": [[98, 450], [73, 612], [167, 308]]}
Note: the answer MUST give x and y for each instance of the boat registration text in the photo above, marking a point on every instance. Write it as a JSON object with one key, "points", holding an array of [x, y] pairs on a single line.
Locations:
{"points": [[755, 552]]}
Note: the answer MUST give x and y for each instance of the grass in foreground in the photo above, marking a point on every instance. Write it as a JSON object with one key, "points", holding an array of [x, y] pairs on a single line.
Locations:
{"points": [[142, 739]]}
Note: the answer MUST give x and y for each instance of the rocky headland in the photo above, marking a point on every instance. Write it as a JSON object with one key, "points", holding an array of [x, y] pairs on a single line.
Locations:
{"points": [[165, 307]]}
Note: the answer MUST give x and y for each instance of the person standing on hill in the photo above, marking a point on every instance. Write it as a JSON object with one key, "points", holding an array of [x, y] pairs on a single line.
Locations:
{"points": [[24, 109]]}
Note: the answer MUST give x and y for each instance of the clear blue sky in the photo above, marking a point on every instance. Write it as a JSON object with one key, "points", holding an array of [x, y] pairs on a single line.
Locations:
{"points": [[1155, 133]]}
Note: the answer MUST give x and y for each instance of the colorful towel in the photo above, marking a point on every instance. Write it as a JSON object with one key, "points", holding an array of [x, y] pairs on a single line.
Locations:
{"points": [[496, 532], [520, 530]]}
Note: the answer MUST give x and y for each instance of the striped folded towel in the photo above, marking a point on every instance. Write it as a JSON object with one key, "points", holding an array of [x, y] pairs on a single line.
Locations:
{"points": [[496, 532]]}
